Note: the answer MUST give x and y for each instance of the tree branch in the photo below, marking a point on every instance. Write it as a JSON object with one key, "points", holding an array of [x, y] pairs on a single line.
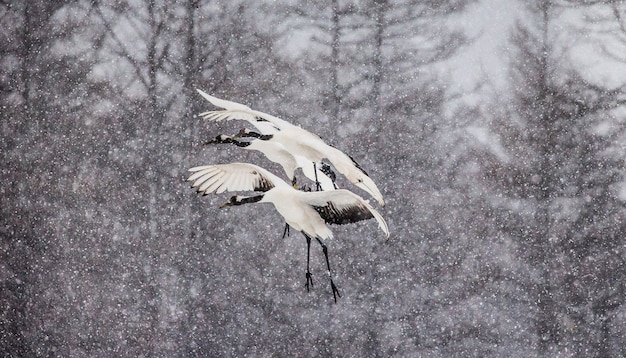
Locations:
{"points": [[123, 51]]}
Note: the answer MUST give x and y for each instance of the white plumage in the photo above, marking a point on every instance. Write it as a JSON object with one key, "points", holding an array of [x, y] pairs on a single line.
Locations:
{"points": [[298, 141], [308, 212]]}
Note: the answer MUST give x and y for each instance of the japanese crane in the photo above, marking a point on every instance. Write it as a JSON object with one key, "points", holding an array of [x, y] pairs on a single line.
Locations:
{"points": [[307, 212], [298, 141]]}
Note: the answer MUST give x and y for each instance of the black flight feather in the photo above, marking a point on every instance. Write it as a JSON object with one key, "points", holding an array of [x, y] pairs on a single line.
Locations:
{"points": [[261, 183], [350, 214]]}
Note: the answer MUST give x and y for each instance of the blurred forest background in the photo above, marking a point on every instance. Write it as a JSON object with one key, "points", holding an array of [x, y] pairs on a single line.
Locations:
{"points": [[500, 154]]}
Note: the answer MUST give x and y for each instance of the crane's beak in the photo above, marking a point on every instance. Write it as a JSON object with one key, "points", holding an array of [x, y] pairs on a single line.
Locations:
{"points": [[373, 192], [232, 201]]}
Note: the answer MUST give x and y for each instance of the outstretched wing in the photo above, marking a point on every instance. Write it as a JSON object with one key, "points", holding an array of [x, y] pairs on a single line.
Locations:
{"points": [[232, 177], [266, 123], [222, 103], [343, 207]]}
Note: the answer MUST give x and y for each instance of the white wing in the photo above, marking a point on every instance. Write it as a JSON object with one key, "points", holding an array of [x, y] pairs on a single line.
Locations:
{"points": [[343, 207], [222, 103], [277, 153], [264, 122], [233, 177]]}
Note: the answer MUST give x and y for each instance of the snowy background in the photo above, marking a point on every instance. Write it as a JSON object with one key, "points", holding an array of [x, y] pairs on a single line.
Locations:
{"points": [[494, 128]]}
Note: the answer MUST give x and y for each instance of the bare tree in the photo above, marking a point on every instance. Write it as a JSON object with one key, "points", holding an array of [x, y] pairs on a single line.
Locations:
{"points": [[564, 173]]}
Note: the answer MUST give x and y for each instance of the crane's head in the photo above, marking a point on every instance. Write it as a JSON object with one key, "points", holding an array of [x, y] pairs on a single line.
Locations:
{"points": [[240, 200], [368, 185], [234, 200]]}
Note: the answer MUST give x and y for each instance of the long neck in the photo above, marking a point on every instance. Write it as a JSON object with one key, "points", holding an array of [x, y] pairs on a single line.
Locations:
{"points": [[258, 135], [240, 200], [240, 144]]}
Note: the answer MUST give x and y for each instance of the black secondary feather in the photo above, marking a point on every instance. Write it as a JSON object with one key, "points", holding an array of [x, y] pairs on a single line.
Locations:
{"points": [[347, 215]]}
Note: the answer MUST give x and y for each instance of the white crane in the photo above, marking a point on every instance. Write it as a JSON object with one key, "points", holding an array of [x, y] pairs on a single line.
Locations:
{"points": [[276, 152], [298, 141], [307, 212]]}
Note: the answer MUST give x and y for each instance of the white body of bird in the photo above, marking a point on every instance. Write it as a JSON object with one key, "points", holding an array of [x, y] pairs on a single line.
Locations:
{"points": [[295, 208]]}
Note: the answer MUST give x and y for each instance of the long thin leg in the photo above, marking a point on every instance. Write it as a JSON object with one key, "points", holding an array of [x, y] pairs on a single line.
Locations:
{"points": [[330, 276], [309, 277], [286, 232], [317, 182]]}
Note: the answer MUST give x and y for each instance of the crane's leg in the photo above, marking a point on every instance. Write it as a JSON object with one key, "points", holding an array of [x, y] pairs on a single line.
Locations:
{"points": [[318, 186], [309, 277], [330, 276]]}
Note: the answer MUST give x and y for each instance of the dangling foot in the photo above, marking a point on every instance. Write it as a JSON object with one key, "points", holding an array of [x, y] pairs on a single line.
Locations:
{"points": [[330, 276], [309, 277], [286, 232], [335, 290], [309, 280]]}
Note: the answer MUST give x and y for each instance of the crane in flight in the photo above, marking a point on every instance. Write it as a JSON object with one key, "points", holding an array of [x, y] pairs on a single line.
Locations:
{"points": [[296, 140], [307, 212]]}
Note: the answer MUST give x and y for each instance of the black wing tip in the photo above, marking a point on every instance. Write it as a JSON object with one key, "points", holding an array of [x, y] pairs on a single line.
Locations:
{"points": [[347, 215], [357, 165], [263, 183]]}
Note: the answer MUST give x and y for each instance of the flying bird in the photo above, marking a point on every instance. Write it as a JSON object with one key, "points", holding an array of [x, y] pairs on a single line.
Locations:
{"points": [[307, 212], [298, 141]]}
